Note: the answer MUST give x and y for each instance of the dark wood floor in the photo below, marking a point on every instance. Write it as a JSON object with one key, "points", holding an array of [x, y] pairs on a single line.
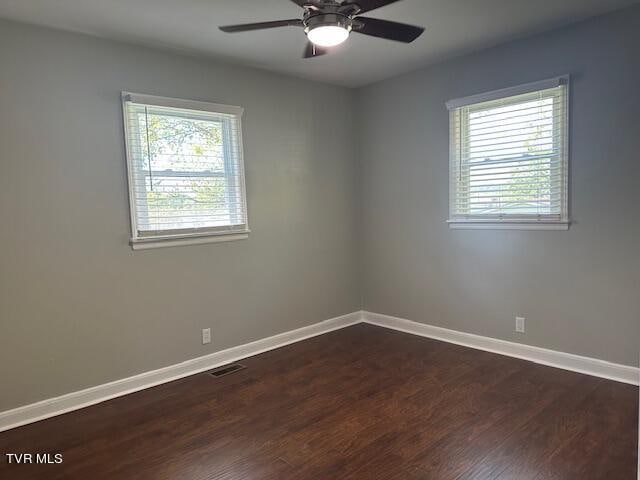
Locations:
{"points": [[359, 403]]}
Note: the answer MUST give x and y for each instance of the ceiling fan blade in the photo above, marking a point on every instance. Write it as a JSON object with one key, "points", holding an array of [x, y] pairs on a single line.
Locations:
{"points": [[400, 32], [246, 27], [368, 5], [312, 50]]}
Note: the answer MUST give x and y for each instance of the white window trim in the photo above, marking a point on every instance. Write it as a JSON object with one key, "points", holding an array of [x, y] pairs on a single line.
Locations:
{"points": [[509, 92], [520, 223], [150, 242], [507, 225], [180, 103]]}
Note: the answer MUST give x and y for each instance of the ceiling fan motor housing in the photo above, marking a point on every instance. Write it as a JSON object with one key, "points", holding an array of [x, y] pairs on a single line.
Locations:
{"points": [[315, 20]]}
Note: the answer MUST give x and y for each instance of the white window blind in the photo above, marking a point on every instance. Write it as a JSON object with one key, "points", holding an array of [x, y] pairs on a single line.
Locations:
{"points": [[185, 164], [509, 157]]}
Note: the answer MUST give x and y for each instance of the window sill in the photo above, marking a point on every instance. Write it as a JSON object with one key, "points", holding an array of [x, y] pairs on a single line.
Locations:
{"points": [[150, 243], [506, 225]]}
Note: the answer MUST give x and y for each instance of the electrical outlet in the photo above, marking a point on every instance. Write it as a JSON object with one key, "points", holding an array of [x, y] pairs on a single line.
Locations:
{"points": [[206, 336], [520, 324]]}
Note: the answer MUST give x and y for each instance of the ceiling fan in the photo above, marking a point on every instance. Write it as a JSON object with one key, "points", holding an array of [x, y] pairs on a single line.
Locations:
{"points": [[327, 23]]}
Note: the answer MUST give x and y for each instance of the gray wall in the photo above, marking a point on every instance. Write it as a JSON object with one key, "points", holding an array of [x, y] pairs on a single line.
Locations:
{"points": [[77, 306], [580, 290], [335, 225]]}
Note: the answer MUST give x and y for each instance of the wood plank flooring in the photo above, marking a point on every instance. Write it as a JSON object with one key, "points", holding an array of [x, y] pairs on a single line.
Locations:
{"points": [[359, 403]]}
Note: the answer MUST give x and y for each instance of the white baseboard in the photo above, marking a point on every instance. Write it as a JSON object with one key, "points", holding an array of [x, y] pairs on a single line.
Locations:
{"points": [[552, 358], [90, 396]]}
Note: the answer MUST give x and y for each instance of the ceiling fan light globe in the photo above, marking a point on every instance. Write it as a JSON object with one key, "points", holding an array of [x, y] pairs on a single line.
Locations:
{"points": [[328, 35]]}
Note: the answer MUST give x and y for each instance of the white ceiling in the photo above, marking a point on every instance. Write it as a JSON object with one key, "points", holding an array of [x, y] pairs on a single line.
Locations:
{"points": [[453, 27]]}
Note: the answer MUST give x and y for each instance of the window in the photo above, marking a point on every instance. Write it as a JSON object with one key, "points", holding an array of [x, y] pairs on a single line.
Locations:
{"points": [[186, 178], [509, 158]]}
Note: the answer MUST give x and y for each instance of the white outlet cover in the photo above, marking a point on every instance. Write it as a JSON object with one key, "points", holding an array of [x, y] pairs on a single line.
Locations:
{"points": [[520, 328], [206, 336]]}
